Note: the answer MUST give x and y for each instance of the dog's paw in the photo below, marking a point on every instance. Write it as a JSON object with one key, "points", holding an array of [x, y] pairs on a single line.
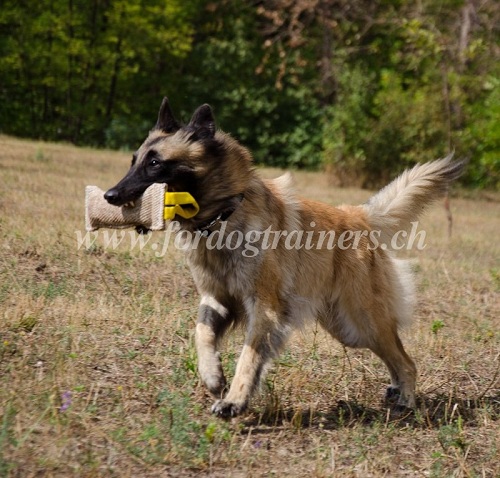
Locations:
{"points": [[226, 409], [398, 400], [407, 402], [392, 393], [216, 384], [212, 375]]}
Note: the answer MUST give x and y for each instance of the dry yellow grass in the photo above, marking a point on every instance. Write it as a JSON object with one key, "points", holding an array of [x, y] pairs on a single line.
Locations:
{"points": [[97, 364]]}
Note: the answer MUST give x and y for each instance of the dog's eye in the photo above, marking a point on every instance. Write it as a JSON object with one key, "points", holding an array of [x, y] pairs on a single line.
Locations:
{"points": [[152, 159]]}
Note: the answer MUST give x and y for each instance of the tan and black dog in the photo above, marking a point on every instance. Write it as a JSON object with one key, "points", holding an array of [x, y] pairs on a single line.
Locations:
{"points": [[300, 260]]}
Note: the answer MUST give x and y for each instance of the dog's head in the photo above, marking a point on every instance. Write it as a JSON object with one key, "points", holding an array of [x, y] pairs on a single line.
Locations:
{"points": [[196, 158], [168, 155]]}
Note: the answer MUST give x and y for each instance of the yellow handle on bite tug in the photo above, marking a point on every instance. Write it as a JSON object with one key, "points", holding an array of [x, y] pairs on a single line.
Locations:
{"points": [[182, 204]]}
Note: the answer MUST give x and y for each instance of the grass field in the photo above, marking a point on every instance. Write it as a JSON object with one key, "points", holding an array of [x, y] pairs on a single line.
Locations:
{"points": [[98, 368]]}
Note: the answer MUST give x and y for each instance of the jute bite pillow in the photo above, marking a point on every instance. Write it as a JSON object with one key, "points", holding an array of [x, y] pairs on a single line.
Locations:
{"points": [[148, 210], [153, 210]]}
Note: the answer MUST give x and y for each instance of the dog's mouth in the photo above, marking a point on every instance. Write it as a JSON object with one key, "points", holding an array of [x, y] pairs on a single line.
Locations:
{"points": [[129, 204]]}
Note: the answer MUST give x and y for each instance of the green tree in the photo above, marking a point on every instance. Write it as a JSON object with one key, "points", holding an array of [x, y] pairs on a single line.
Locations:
{"points": [[400, 81], [364, 87], [231, 68], [73, 70]]}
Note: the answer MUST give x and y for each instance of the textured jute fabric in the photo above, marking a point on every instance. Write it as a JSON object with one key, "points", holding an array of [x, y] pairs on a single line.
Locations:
{"points": [[147, 211]]}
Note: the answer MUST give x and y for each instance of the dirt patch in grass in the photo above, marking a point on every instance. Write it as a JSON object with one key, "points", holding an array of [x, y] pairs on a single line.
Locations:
{"points": [[98, 369]]}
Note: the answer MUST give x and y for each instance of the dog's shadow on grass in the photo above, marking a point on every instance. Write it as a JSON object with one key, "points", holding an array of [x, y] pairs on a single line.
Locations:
{"points": [[431, 413]]}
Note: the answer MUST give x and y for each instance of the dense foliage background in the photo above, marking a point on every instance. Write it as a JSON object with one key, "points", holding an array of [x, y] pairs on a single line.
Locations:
{"points": [[361, 87]]}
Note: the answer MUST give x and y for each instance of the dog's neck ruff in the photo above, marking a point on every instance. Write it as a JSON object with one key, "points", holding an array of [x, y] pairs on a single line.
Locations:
{"points": [[221, 216]]}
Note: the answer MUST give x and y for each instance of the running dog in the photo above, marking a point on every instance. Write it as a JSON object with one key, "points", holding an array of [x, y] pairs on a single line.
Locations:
{"points": [[324, 263]]}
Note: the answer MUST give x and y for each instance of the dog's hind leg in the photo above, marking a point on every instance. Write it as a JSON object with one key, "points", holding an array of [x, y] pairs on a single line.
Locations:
{"points": [[264, 339], [381, 337], [214, 318], [401, 367]]}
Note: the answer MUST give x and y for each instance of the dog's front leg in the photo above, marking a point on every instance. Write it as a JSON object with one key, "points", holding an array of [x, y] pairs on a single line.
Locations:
{"points": [[264, 339], [213, 320]]}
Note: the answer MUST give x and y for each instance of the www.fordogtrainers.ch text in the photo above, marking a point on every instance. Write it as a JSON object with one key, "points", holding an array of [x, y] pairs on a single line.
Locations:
{"points": [[251, 242]]}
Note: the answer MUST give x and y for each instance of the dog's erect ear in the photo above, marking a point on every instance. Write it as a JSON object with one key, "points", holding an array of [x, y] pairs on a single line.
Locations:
{"points": [[203, 123], [166, 121]]}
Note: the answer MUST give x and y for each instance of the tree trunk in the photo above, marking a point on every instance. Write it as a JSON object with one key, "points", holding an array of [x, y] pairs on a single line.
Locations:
{"points": [[114, 80]]}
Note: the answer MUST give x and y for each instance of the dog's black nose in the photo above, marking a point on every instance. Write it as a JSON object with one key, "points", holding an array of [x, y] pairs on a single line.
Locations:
{"points": [[112, 196]]}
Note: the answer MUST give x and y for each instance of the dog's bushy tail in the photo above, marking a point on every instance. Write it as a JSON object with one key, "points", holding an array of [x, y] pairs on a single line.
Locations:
{"points": [[402, 201]]}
